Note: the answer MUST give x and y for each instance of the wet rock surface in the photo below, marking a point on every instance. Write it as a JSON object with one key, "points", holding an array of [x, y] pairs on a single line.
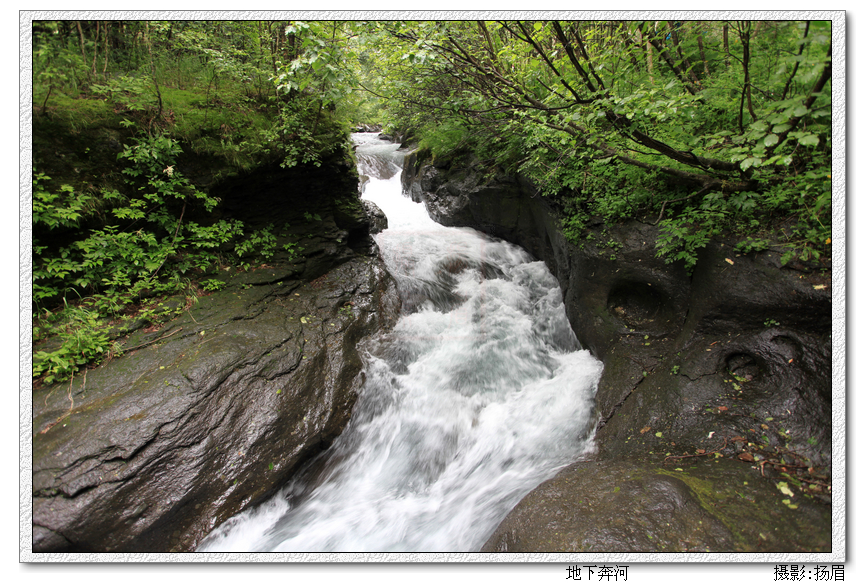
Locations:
{"points": [[367, 127], [377, 218], [733, 360], [151, 450], [625, 506]]}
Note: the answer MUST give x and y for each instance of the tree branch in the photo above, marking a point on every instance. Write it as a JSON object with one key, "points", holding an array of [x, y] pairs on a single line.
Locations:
{"points": [[796, 66], [569, 49]]}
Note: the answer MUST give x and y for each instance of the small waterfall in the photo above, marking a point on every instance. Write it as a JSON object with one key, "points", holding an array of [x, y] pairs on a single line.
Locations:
{"points": [[477, 395]]}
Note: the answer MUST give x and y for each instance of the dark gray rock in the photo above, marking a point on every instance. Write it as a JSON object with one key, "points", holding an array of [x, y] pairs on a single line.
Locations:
{"points": [[376, 216], [413, 163], [625, 506], [209, 415], [367, 127], [735, 357]]}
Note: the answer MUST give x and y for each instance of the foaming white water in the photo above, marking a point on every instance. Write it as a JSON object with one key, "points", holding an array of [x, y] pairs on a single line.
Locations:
{"points": [[477, 395]]}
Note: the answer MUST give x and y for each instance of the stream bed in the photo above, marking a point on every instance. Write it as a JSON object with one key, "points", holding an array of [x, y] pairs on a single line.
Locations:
{"points": [[477, 395]]}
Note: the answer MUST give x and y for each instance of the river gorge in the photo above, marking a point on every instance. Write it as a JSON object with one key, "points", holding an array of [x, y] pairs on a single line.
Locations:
{"points": [[416, 387]]}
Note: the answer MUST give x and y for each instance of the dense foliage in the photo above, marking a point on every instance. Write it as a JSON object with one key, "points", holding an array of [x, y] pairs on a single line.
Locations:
{"points": [[703, 126], [700, 127], [117, 230]]}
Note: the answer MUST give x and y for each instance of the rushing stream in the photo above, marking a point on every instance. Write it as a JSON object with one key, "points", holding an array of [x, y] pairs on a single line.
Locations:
{"points": [[476, 396]]}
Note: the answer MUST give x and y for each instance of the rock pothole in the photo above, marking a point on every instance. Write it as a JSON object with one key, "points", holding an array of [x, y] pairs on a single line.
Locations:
{"points": [[642, 306]]}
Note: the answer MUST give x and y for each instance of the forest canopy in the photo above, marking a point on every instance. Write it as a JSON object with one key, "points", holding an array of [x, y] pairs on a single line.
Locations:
{"points": [[700, 127], [711, 124]]}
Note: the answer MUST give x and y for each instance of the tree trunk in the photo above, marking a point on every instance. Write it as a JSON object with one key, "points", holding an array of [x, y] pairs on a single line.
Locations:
{"points": [[650, 65], [105, 35], [153, 69], [796, 66], [272, 45], [686, 65], [702, 49], [81, 40], [95, 51], [744, 30]]}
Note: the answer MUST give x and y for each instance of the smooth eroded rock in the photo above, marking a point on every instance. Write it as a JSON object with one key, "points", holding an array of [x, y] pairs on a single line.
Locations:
{"points": [[625, 506], [212, 414]]}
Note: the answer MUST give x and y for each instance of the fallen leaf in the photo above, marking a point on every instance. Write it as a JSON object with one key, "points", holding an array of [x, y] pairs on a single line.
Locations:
{"points": [[821, 286], [730, 261], [746, 457], [645, 429], [785, 489], [659, 434], [701, 451], [722, 408]]}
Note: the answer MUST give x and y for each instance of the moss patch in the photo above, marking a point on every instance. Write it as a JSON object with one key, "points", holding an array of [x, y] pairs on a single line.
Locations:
{"points": [[752, 508]]}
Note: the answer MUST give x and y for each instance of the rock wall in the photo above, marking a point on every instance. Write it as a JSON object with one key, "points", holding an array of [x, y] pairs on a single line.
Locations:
{"points": [[213, 412], [732, 361]]}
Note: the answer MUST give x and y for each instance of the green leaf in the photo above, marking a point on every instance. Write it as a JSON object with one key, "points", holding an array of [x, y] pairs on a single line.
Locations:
{"points": [[809, 140], [759, 126], [748, 162], [770, 140]]}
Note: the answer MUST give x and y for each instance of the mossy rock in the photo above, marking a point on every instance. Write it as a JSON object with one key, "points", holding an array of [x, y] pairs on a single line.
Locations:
{"points": [[632, 506]]}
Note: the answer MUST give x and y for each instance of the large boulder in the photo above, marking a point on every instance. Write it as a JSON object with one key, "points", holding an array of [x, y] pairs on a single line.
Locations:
{"points": [[377, 218], [625, 506], [208, 416], [732, 360]]}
